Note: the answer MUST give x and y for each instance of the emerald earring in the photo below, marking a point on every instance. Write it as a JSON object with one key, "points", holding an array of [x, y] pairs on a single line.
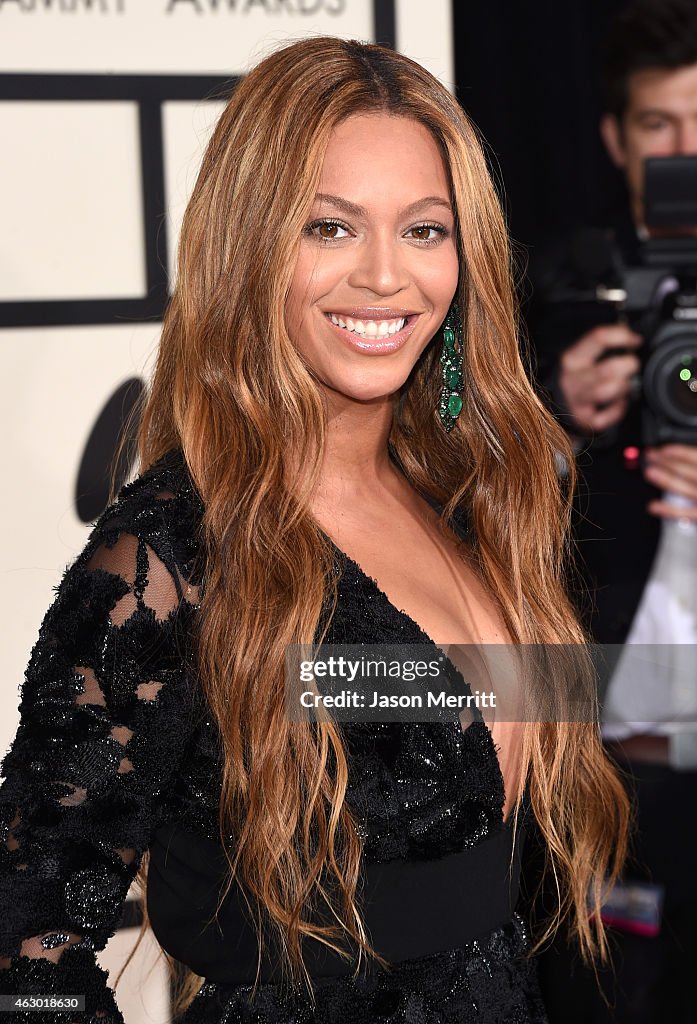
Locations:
{"points": [[450, 402]]}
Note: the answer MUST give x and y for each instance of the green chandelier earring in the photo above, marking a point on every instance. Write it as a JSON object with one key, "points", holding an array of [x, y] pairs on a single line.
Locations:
{"points": [[450, 402]]}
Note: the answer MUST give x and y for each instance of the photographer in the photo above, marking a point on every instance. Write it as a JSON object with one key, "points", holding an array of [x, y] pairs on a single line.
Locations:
{"points": [[636, 518]]}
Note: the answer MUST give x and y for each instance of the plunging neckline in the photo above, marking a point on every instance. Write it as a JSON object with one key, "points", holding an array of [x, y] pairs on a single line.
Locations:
{"points": [[428, 639], [460, 534], [430, 642]]}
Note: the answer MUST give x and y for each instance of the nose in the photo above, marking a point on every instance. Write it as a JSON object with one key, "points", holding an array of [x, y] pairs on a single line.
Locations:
{"points": [[381, 265]]}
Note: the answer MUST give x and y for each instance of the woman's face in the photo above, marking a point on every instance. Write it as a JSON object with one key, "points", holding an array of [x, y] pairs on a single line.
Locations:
{"points": [[378, 265]]}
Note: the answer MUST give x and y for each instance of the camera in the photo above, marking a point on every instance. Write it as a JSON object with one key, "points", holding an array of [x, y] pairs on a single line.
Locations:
{"points": [[656, 296], [661, 301]]}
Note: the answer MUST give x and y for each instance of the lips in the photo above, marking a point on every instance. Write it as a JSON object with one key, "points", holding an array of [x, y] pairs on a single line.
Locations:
{"points": [[374, 334]]}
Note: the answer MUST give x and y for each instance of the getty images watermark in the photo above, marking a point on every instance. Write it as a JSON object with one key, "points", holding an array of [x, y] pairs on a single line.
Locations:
{"points": [[350, 682], [426, 683], [496, 682]]}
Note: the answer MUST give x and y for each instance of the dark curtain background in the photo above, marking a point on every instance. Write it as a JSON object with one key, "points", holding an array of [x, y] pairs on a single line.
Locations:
{"points": [[527, 73]]}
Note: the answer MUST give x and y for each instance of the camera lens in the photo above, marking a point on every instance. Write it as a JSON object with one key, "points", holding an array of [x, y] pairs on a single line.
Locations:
{"points": [[682, 385], [670, 378]]}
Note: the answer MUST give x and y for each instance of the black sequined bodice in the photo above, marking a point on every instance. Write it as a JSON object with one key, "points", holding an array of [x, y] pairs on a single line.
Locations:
{"points": [[418, 790], [115, 744]]}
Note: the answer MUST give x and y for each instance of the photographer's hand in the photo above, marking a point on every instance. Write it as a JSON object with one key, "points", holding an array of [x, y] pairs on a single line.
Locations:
{"points": [[673, 467], [596, 390]]}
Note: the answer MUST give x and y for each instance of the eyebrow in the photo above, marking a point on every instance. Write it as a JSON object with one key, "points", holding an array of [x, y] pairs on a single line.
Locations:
{"points": [[359, 211]]}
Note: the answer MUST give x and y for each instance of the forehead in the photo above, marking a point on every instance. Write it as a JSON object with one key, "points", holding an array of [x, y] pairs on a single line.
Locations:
{"points": [[380, 156], [661, 89]]}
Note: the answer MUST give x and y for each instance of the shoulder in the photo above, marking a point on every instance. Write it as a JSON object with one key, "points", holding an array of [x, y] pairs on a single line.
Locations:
{"points": [[162, 508]]}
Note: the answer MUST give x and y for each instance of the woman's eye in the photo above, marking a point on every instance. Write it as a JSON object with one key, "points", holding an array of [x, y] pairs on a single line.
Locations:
{"points": [[327, 230], [429, 233]]}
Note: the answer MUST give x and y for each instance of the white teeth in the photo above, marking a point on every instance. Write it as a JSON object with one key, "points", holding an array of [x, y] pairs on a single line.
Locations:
{"points": [[369, 328]]}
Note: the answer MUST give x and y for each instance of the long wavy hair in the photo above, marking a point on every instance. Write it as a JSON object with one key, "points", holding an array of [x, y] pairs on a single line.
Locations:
{"points": [[233, 394]]}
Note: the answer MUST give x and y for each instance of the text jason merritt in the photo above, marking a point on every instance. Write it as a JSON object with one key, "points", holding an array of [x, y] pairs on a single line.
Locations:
{"points": [[356, 699]]}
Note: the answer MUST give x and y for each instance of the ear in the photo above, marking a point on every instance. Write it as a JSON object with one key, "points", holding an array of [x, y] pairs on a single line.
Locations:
{"points": [[611, 134]]}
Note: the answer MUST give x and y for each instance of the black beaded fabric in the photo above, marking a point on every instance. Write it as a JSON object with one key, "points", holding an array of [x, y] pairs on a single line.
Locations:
{"points": [[486, 981], [115, 740]]}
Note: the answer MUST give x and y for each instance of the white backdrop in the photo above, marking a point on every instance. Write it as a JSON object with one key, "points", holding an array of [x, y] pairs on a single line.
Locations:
{"points": [[75, 267]]}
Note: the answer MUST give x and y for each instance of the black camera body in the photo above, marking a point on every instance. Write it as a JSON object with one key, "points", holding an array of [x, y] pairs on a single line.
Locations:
{"points": [[661, 301], [656, 296], [661, 304]]}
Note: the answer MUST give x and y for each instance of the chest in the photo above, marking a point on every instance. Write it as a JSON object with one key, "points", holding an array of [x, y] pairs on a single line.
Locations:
{"points": [[432, 577]]}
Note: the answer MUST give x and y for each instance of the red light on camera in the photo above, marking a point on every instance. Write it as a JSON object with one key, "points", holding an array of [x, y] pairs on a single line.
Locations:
{"points": [[631, 456]]}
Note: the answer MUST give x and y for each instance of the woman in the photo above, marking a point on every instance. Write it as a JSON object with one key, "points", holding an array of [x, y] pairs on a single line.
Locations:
{"points": [[340, 444]]}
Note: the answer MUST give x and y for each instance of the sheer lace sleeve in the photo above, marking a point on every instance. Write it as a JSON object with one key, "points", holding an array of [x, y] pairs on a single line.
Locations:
{"points": [[105, 709]]}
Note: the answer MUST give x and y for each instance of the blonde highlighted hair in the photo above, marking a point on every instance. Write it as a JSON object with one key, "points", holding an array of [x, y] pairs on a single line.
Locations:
{"points": [[232, 393]]}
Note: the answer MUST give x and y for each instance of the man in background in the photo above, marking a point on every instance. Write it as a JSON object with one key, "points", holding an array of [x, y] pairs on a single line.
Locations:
{"points": [[636, 507]]}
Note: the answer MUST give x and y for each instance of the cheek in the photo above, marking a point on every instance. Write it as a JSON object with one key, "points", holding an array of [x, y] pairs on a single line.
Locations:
{"points": [[301, 295], [660, 144], [442, 282], [634, 168], [315, 275]]}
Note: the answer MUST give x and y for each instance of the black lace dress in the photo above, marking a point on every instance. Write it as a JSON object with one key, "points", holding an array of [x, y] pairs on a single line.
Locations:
{"points": [[115, 755]]}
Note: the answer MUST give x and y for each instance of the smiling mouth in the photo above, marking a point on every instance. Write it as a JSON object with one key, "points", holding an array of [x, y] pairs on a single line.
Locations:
{"points": [[369, 328]]}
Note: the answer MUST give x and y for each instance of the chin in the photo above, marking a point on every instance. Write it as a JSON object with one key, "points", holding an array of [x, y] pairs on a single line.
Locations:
{"points": [[366, 391]]}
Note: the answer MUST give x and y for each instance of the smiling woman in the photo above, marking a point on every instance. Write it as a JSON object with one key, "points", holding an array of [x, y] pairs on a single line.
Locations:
{"points": [[340, 444], [378, 264]]}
